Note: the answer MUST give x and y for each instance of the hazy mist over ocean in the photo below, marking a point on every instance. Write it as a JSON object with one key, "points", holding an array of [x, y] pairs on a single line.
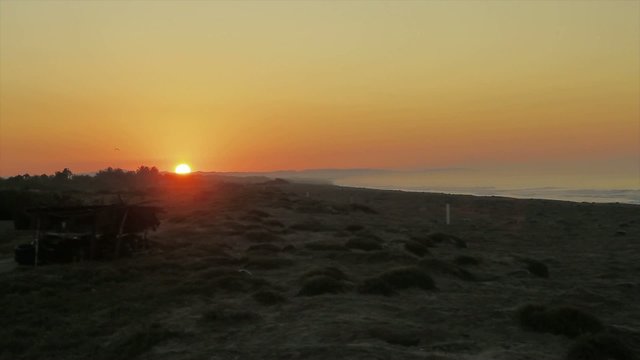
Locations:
{"points": [[570, 185]]}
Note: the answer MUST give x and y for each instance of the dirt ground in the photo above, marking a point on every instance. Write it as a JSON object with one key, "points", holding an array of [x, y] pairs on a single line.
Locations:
{"points": [[293, 271]]}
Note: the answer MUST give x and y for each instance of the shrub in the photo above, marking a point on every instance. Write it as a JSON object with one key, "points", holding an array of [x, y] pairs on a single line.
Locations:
{"points": [[230, 316], [439, 237], [363, 244], [269, 297], [398, 278], [466, 260], [259, 213], [310, 225], [326, 245], [329, 271], [261, 236], [446, 268], [274, 223], [238, 282], [566, 321], [362, 208], [416, 248], [321, 284], [269, 263], [263, 248], [537, 268], [354, 227], [376, 286], [600, 347], [396, 336], [141, 341]]}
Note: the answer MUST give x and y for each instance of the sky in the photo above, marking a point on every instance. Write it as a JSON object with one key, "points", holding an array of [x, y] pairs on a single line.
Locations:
{"points": [[266, 85]]}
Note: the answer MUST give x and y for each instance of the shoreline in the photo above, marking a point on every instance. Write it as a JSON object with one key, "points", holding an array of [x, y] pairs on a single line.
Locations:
{"points": [[512, 194]]}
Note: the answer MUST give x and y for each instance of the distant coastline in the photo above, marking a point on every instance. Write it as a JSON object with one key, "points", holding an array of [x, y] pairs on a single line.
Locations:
{"points": [[624, 196]]}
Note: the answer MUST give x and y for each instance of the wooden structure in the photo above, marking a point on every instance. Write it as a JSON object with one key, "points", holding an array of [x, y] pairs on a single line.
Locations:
{"points": [[64, 234]]}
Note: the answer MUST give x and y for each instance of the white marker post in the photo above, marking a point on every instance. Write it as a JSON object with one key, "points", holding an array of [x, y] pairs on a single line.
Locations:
{"points": [[448, 212]]}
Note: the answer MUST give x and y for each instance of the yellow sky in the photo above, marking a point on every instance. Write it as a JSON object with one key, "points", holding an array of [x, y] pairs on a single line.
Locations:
{"points": [[291, 85]]}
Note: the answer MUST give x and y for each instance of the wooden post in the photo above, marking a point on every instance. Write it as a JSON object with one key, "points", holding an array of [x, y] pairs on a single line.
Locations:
{"points": [[448, 213], [37, 241], [119, 236]]}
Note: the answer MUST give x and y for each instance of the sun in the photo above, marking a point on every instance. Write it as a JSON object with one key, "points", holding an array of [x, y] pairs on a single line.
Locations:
{"points": [[183, 169]]}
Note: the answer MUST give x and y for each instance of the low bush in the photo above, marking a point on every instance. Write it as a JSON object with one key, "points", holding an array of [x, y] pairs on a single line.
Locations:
{"points": [[310, 225], [326, 245], [600, 347], [269, 297], [416, 248], [268, 263], [140, 342], [376, 286], [229, 316], [567, 321], [466, 260], [362, 243], [354, 227], [238, 282], [261, 236], [537, 268], [263, 248], [439, 237], [321, 284], [396, 336], [443, 267], [398, 278], [328, 271]]}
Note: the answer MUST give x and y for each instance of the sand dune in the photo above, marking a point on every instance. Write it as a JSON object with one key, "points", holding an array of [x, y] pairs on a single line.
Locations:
{"points": [[296, 271]]}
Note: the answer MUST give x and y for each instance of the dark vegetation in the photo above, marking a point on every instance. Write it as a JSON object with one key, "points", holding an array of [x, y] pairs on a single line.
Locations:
{"points": [[537, 268], [396, 279], [395, 336], [416, 248], [443, 267], [326, 245], [269, 297], [229, 316], [363, 243], [321, 284], [466, 260], [140, 341], [568, 321], [328, 271], [600, 346]]}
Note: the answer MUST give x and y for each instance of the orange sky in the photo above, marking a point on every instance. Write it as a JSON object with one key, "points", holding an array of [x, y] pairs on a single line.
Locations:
{"points": [[234, 86]]}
